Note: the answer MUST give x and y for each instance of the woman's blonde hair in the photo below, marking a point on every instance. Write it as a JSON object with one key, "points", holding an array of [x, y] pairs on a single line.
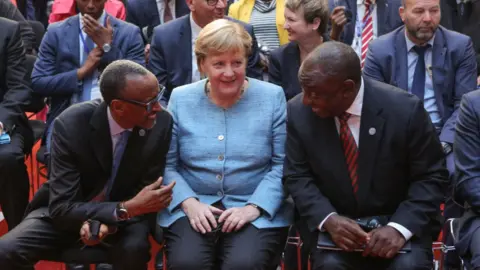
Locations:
{"points": [[222, 36], [311, 9]]}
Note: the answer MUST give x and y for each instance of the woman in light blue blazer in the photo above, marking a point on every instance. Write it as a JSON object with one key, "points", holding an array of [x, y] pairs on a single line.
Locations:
{"points": [[226, 156]]}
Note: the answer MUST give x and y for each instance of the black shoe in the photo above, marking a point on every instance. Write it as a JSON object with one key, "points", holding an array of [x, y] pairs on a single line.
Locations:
{"points": [[159, 260], [72, 266], [104, 266]]}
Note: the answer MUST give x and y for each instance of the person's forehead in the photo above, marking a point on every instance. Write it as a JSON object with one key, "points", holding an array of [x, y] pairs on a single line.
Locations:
{"points": [[140, 87]]}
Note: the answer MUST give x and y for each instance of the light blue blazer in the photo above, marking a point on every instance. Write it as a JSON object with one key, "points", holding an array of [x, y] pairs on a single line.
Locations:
{"points": [[234, 156]]}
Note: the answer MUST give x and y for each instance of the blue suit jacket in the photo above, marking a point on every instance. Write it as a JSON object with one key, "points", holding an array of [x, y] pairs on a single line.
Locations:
{"points": [[454, 69], [253, 148], [171, 54], [283, 69], [388, 17], [144, 13], [467, 176], [55, 71]]}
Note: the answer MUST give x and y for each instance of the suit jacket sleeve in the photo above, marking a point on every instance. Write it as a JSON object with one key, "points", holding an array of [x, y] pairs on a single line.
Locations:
{"points": [[299, 180], [465, 81], [131, 13], [373, 66], [428, 175], [45, 79], [466, 152], [254, 69], [269, 194], [157, 65], [66, 198], [135, 50], [274, 68], [9, 11], [182, 190], [18, 93]]}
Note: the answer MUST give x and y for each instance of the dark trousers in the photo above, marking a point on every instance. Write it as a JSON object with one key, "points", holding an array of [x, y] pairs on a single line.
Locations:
{"points": [[474, 261], [14, 183], [419, 258], [250, 248], [36, 238]]}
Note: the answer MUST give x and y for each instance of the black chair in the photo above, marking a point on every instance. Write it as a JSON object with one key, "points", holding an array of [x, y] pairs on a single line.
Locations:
{"points": [[39, 30]]}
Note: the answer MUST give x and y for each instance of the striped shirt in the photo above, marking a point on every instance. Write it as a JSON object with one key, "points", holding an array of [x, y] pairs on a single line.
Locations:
{"points": [[265, 25]]}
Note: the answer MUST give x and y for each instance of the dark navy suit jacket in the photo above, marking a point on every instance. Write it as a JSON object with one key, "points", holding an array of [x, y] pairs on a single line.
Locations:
{"points": [[55, 71], [283, 69], [171, 54], [388, 17], [454, 69]]}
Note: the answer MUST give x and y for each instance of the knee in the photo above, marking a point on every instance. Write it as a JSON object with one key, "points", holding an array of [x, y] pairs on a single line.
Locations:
{"points": [[10, 158], [411, 262], [178, 260], [9, 255], [328, 260], [136, 250], [255, 261]]}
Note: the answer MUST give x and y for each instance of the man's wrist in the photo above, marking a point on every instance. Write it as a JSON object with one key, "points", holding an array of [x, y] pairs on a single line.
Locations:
{"points": [[131, 208]]}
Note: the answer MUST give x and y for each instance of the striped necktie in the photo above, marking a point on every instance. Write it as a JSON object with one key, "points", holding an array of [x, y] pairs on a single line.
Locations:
{"points": [[349, 149], [367, 29]]}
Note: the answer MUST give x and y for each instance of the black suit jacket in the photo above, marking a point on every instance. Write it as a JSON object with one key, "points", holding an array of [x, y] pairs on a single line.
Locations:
{"points": [[401, 166], [283, 69], [81, 163], [15, 93], [171, 58]]}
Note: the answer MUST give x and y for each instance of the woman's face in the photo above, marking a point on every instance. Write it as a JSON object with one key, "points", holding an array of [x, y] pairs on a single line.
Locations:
{"points": [[225, 71], [296, 26]]}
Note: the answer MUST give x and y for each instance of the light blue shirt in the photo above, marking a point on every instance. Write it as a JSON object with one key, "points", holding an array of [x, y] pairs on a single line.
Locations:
{"points": [[429, 100]]}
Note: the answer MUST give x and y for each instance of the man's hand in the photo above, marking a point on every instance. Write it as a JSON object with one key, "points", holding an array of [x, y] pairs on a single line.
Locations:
{"points": [[97, 32], [345, 233], [338, 19], [90, 64], [235, 218], [87, 237], [152, 198], [200, 215], [385, 242]]}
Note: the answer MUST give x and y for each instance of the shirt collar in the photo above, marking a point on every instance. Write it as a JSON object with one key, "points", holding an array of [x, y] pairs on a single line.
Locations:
{"points": [[410, 43], [100, 20], [195, 28], [356, 107], [361, 2], [115, 128]]}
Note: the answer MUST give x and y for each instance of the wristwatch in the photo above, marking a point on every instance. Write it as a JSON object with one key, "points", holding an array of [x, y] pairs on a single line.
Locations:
{"points": [[122, 212], [447, 148], [106, 47]]}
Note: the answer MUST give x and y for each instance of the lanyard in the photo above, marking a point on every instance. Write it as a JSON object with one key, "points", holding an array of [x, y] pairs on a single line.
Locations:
{"points": [[85, 47]]}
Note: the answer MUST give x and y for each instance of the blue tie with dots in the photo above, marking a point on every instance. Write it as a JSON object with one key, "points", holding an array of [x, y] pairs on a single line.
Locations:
{"points": [[117, 159]]}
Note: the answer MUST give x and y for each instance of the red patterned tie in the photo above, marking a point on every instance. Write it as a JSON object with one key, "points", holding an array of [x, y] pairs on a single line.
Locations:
{"points": [[367, 30], [349, 149]]}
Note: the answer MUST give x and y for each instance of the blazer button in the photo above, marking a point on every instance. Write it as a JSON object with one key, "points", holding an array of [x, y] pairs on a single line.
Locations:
{"points": [[221, 137], [219, 177], [220, 194], [220, 157]]}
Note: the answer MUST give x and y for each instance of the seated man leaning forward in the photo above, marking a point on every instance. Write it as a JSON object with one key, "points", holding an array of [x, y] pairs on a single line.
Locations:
{"points": [[229, 209], [107, 160], [395, 176]]}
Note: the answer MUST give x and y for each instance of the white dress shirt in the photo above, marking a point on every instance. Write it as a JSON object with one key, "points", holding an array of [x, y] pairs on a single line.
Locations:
{"points": [[357, 38], [195, 31], [161, 9], [354, 124]]}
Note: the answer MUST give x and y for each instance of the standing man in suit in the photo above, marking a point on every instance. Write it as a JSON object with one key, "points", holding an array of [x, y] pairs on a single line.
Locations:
{"points": [[361, 21], [106, 158], [173, 60], [396, 172], [467, 177], [74, 52], [15, 94]]}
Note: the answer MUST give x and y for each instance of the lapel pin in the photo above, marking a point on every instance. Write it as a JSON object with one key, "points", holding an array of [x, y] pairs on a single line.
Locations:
{"points": [[372, 131], [141, 132]]}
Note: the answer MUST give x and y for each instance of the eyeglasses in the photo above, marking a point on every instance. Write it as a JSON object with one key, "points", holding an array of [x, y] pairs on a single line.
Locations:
{"points": [[150, 104], [213, 2]]}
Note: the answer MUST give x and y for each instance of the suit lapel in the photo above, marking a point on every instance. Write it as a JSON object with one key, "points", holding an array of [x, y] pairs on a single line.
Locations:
{"points": [[371, 132], [186, 41], [401, 67], [101, 139], [71, 34], [439, 51]]}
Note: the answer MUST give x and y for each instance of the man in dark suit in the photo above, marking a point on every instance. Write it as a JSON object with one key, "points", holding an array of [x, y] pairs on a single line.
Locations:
{"points": [[172, 59], [397, 172], [74, 52], [15, 94], [147, 14], [104, 158], [462, 16], [9, 11], [467, 177]]}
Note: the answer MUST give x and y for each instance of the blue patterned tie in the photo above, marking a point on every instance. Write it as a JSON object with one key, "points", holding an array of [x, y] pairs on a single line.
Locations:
{"points": [[117, 159], [418, 85]]}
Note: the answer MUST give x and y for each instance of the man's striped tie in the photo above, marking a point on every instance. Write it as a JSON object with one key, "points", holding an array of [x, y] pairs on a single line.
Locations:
{"points": [[367, 30], [349, 149]]}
